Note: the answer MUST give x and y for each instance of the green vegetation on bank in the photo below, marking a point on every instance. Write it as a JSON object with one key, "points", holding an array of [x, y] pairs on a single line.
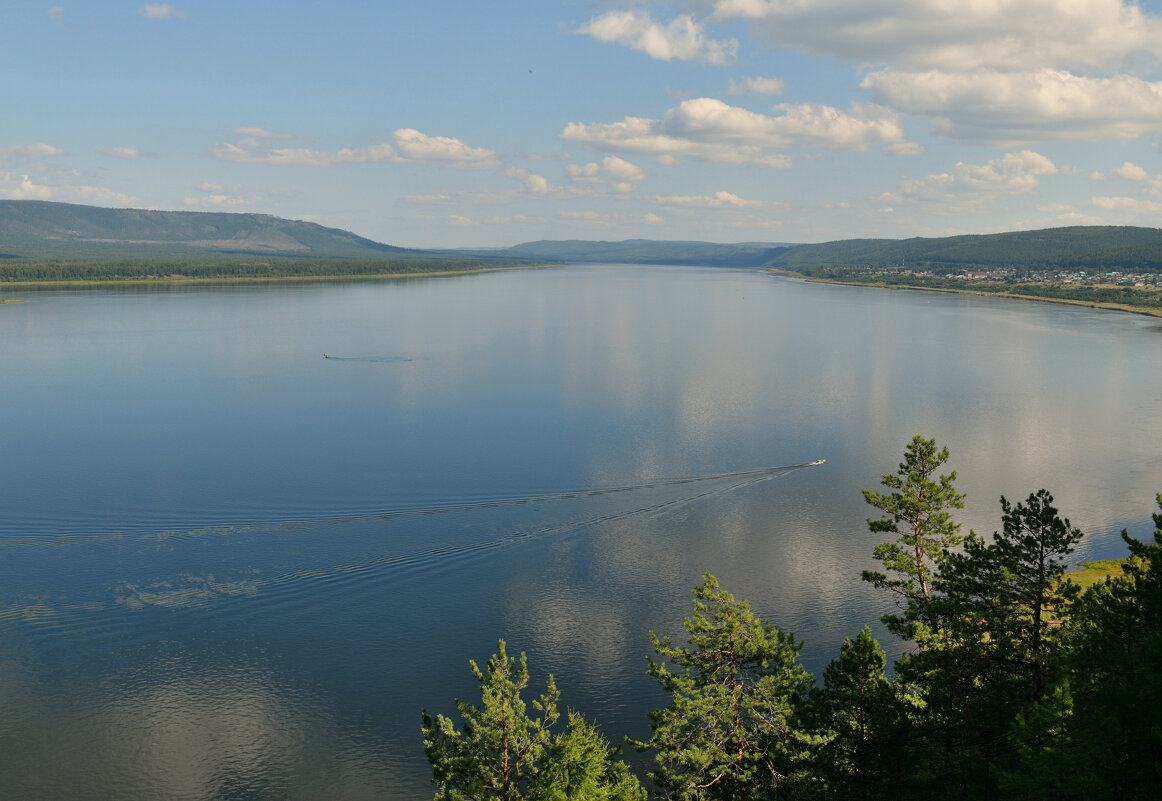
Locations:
{"points": [[1012, 683], [30, 274], [1091, 248], [1141, 300]]}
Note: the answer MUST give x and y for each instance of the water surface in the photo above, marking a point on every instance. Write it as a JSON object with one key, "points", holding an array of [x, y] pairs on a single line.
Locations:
{"points": [[232, 568]]}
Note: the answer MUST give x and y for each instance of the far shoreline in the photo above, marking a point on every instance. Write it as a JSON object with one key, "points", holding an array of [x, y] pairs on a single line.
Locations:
{"points": [[181, 280], [1094, 304]]}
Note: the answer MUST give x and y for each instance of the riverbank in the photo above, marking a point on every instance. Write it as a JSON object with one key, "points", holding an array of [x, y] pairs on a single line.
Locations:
{"points": [[968, 290], [1095, 572], [185, 280]]}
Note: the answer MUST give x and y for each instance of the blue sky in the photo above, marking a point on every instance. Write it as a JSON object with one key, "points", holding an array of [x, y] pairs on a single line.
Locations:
{"points": [[449, 124]]}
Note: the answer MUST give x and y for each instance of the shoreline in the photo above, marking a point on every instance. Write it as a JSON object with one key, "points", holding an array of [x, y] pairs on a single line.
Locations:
{"points": [[1094, 304], [158, 281]]}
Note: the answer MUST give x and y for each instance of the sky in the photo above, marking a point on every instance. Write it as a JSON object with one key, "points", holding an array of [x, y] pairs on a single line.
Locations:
{"points": [[484, 124]]}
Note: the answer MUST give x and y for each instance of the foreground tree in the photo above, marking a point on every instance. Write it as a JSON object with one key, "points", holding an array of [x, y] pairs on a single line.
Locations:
{"points": [[501, 753], [580, 767], [499, 747], [918, 513], [1003, 597], [731, 730], [1115, 641]]}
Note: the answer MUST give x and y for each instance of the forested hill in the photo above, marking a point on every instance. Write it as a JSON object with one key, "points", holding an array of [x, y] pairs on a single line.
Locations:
{"points": [[41, 230], [1091, 248]]}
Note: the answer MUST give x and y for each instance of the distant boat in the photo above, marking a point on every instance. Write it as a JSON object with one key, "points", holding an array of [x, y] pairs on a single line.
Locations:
{"points": [[817, 461], [326, 355]]}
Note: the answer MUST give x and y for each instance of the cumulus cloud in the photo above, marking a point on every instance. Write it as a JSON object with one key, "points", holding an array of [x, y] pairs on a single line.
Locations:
{"points": [[757, 86], [1131, 172], [1012, 174], [122, 152], [709, 129], [407, 144], [1008, 109], [683, 38], [160, 11], [537, 184], [955, 35], [17, 186], [446, 150], [612, 171]]}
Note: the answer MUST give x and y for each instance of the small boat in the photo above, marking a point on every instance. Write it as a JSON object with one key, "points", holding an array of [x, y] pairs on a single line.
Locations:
{"points": [[326, 355]]}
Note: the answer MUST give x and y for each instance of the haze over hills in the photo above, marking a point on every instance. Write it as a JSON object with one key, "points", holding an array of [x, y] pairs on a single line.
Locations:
{"points": [[647, 251], [42, 240]]}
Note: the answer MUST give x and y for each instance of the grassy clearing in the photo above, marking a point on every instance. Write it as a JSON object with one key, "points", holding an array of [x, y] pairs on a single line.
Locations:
{"points": [[1095, 572]]}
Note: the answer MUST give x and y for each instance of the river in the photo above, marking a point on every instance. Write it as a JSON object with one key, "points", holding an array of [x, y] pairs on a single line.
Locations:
{"points": [[233, 568]]}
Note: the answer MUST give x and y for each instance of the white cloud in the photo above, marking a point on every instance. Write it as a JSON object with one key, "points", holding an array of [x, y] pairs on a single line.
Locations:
{"points": [[416, 146], [1130, 172], [408, 145], [252, 150], [122, 152], [261, 133], [955, 35], [56, 13], [682, 38], [652, 218], [160, 11], [537, 184], [612, 171], [33, 151], [1008, 109], [24, 187], [1127, 204], [1012, 174], [213, 201], [757, 86], [709, 129], [718, 200]]}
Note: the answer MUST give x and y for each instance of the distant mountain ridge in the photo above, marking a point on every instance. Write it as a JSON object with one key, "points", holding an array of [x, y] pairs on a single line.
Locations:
{"points": [[1124, 248], [36, 229], [647, 251], [52, 241]]}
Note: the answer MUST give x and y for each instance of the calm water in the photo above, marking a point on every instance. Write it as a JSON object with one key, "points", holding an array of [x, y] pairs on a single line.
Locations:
{"points": [[231, 568]]}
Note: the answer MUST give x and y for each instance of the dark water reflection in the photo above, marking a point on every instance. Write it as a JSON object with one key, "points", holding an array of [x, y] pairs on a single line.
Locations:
{"points": [[231, 568]]}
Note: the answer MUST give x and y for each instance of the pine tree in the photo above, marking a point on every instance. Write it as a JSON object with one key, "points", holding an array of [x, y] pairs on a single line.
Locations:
{"points": [[501, 753], [857, 703], [918, 512], [500, 746], [731, 730], [1003, 596], [579, 767]]}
